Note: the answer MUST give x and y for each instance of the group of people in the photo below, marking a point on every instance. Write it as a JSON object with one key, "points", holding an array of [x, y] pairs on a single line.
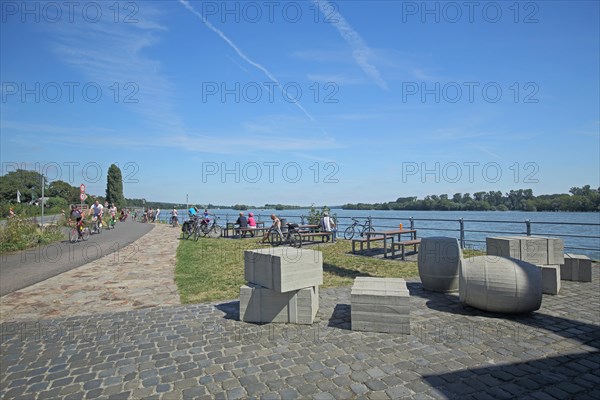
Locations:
{"points": [[243, 222], [327, 224]]}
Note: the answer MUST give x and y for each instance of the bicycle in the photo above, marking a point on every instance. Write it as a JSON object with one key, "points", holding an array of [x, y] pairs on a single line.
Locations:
{"points": [[96, 225], [291, 237], [359, 228], [188, 228], [79, 231], [111, 222], [211, 230], [174, 221]]}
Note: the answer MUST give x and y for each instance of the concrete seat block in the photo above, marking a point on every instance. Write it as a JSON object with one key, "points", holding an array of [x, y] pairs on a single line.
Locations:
{"points": [[550, 278], [260, 304], [380, 305], [284, 269], [536, 250], [576, 267]]}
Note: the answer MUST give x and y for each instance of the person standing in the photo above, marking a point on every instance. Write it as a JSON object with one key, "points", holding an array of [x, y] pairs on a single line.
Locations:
{"points": [[328, 225]]}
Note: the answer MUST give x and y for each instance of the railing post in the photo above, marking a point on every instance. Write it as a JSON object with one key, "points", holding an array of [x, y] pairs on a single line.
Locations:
{"points": [[462, 232], [412, 223], [528, 225]]}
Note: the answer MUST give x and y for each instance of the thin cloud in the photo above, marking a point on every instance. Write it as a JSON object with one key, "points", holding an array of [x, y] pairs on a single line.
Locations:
{"points": [[360, 51], [240, 53]]}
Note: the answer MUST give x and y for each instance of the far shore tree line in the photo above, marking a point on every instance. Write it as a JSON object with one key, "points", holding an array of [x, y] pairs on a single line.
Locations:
{"points": [[578, 199]]}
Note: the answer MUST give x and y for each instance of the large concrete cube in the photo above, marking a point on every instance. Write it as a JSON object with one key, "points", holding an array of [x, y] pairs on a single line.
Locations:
{"points": [[260, 304], [576, 267], [550, 278], [284, 269], [536, 250], [380, 305]]}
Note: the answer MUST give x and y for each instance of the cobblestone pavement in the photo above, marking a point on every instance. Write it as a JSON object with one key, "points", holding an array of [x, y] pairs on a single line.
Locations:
{"points": [[203, 351], [138, 275]]}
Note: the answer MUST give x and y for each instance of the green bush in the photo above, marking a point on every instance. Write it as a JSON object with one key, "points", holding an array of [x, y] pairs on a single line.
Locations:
{"points": [[20, 233]]}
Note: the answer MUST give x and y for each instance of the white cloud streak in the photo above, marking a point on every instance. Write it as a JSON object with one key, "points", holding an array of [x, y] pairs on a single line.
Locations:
{"points": [[360, 51], [240, 53]]}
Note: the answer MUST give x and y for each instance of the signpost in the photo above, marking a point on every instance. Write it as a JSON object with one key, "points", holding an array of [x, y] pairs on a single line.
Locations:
{"points": [[82, 195]]}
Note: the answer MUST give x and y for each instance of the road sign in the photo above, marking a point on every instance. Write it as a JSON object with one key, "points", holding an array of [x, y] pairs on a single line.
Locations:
{"points": [[82, 188], [82, 196]]}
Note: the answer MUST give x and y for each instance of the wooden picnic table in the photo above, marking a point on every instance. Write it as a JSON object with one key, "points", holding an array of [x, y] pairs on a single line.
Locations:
{"points": [[391, 234], [309, 228]]}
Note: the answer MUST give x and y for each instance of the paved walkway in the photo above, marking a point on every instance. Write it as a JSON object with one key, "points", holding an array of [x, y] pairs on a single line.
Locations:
{"points": [[22, 269], [138, 275], [203, 351]]}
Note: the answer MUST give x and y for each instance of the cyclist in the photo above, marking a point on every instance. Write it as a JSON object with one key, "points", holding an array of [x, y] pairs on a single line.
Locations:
{"points": [[113, 213], [76, 214], [97, 210]]}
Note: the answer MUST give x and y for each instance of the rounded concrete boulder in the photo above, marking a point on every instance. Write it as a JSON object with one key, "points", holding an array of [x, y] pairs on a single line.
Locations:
{"points": [[498, 284], [438, 262]]}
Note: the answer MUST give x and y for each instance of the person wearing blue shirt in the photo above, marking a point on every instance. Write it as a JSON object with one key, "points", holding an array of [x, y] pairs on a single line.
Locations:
{"points": [[192, 211]]}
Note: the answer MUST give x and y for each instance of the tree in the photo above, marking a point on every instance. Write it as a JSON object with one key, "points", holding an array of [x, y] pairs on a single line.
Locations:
{"points": [[28, 183], [114, 186], [63, 190]]}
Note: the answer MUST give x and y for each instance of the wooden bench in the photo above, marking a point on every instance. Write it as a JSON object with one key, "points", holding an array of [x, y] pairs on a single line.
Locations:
{"points": [[240, 231], [368, 241], [402, 246], [322, 235]]}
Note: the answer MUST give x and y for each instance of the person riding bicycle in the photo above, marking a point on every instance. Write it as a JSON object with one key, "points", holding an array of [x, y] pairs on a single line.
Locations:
{"points": [[96, 209], [76, 214], [113, 211]]}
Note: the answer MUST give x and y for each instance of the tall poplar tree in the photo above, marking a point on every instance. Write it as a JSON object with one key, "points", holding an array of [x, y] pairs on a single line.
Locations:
{"points": [[114, 187]]}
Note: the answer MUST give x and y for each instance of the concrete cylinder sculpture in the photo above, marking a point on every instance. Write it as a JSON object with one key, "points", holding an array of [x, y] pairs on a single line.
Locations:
{"points": [[498, 284], [438, 262]]}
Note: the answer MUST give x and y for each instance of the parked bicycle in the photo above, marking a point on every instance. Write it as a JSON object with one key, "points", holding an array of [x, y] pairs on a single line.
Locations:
{"points": [[358, 228], [196, 227], [291, 237], [79, 231]]}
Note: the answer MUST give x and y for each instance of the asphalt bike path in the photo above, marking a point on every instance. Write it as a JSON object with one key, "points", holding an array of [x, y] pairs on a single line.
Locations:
{"points": [[21, 269]]}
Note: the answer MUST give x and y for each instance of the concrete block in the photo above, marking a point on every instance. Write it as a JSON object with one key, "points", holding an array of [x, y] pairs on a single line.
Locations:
{"points": [[550, 278], [576, 267], [284, 269], [380, 305], [536, 250], [260, 304]]}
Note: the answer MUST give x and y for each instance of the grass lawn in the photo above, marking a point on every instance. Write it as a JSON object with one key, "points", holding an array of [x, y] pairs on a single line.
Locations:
{"points": [[213, 269]]}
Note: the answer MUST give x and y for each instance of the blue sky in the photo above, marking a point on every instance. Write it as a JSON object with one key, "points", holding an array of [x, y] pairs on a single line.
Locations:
{"points": [[303, 102]]}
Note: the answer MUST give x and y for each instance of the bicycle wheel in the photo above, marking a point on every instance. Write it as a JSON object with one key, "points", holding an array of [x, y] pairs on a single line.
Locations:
{"points": [[369, 229], [349, 232], [215, 231], [274, 238], [186, 230], [295, 240], [85, 235], [73, 235], [197, 232]]}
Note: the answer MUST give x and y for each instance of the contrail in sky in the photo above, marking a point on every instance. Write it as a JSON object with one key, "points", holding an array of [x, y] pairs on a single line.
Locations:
{"points": [[242, 54], [360, 50]]}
